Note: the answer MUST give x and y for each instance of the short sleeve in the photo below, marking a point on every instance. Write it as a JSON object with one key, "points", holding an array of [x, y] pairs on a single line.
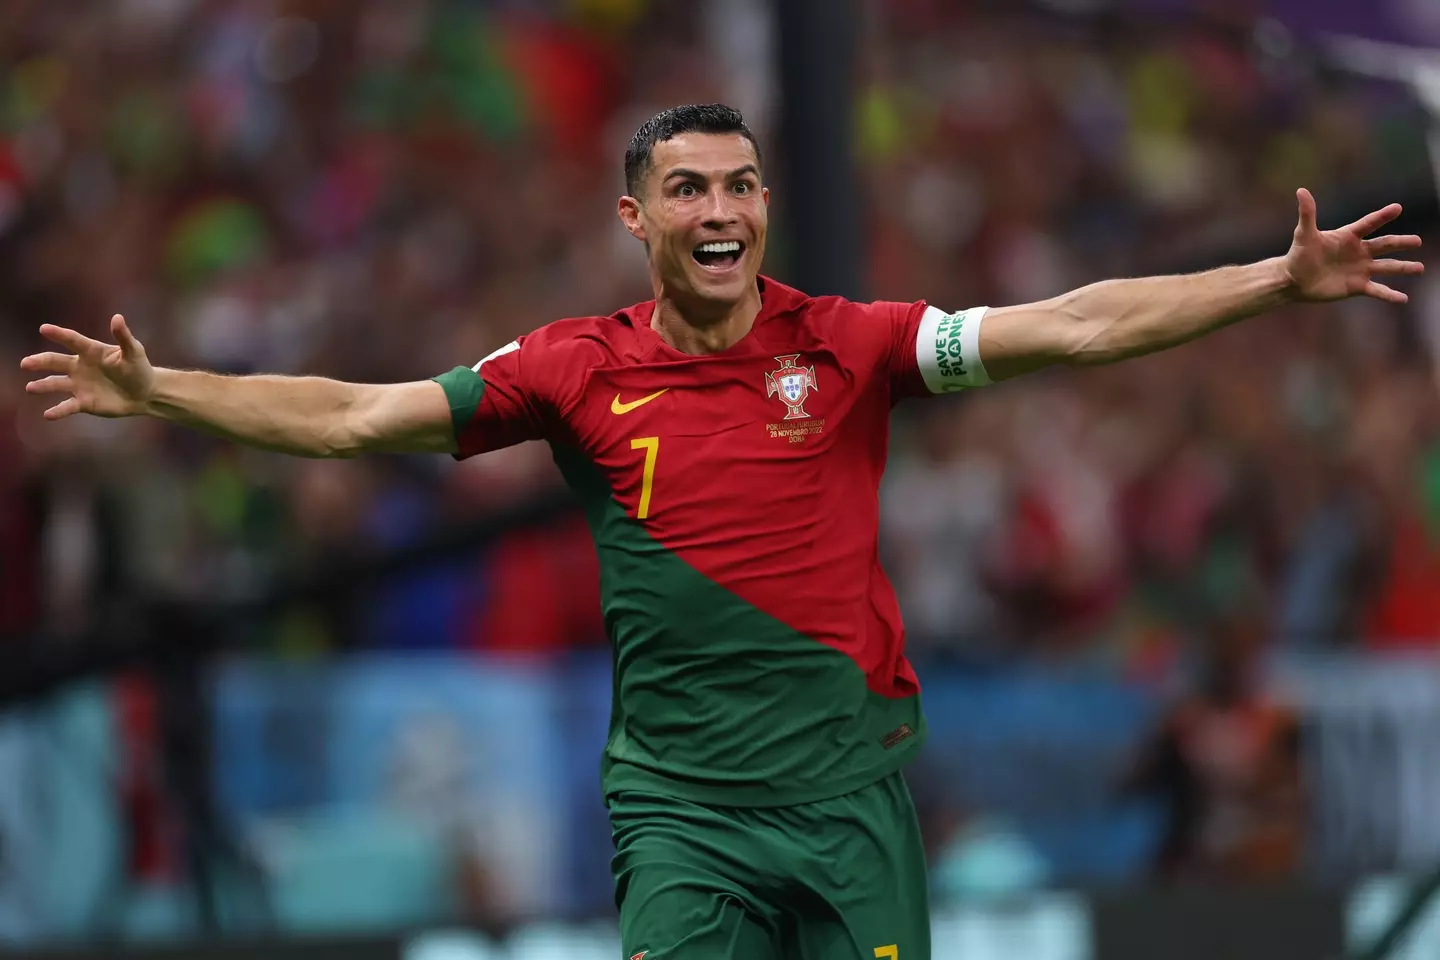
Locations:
{"points": [[498, 402], [932, 351]]}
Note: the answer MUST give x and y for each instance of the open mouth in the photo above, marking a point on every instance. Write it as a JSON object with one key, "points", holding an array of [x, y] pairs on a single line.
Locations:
{"points": [[719, 254]]}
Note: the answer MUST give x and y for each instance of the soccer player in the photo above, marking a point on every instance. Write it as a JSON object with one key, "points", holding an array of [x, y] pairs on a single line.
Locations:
{"points": [[726, 440]]}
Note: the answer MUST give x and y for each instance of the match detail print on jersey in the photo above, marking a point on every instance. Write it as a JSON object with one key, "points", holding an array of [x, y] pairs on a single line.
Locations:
{"points": [[947, 350]]}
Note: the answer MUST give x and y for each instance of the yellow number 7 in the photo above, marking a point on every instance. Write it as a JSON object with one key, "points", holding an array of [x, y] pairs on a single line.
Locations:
{"points": [[891, 952], [651, 445]]}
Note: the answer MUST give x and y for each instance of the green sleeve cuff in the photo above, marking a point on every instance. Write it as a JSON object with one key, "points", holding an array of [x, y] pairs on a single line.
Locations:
{"points": [[463, 390]]}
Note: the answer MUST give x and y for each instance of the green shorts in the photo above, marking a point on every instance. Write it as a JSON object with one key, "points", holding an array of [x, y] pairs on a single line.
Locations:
{"points": [[838, 879]]}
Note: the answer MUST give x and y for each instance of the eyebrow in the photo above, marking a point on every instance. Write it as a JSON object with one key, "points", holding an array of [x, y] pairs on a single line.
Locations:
{"points": [[689, 174]]}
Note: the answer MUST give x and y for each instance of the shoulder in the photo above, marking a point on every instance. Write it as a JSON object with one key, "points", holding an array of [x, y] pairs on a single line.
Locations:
{"points": [[865, 332], [579, 343], [840, 313], [577, 337], [554, 361]]}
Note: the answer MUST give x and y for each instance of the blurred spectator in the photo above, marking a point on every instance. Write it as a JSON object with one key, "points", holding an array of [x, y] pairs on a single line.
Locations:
{"points": [[1226, 765]]}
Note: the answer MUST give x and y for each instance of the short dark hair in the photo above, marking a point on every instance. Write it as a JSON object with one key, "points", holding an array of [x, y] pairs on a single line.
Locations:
{"points": [[690, 118]]}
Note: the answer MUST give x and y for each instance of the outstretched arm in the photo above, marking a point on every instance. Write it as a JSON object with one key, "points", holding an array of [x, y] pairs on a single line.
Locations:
{"points": [[306, 416], [1116, 319]]}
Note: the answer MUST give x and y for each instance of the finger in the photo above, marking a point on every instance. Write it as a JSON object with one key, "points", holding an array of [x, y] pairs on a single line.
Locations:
{"points": [[70, 338], [129, 346], [1381, 292], [49, 363], [1369, 223], [1307, 210], [1392, 243], [50, 385], [1397, 268], [62, 410]]}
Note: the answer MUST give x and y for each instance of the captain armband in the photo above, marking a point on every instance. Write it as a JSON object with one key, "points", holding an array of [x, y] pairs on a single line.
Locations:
{"points": [[947, 350]]}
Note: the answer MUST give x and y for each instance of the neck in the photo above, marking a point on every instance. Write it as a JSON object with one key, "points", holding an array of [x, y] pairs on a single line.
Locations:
{"points": [[699, 327]]}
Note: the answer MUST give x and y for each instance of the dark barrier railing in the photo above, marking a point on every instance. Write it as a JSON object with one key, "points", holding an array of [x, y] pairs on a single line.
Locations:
{"points": [[139, 631], [1267, 923], [1262, 923]]}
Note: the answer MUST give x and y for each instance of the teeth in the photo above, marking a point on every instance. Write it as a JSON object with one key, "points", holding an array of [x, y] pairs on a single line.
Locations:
{"points": [[726, 246]]}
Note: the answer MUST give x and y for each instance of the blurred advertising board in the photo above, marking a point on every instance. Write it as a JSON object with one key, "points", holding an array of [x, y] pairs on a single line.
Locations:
{"points": [[61, 852], [1375, 903], [1049, 751], [388, 777], [1371, 749], [410, 759]]}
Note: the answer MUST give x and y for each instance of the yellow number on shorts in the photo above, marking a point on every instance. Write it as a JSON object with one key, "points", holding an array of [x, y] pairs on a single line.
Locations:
{"points": [[891, 952], [651, 446]]}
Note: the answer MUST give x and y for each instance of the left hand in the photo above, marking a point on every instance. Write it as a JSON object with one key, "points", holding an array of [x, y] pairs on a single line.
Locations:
{"points": [[1335, 264]]}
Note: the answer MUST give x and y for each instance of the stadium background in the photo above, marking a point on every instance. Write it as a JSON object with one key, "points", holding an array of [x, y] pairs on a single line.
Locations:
{"points": [[250, 699]]}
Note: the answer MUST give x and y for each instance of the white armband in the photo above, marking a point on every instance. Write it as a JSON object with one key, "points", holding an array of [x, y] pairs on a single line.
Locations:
{"points": [[947, 350]]}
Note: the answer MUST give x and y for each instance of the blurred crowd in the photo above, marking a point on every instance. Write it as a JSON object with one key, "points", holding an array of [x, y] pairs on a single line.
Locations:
{"points": [[1276, 471], [380, 191]]}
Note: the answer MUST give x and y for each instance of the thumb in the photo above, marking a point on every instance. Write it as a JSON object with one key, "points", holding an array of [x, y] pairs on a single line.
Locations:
{"points": [[129, 346], [1307, 211]]}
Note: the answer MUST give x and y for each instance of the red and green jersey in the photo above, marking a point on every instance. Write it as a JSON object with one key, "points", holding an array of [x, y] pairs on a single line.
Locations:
{"points": [[733, 499]]}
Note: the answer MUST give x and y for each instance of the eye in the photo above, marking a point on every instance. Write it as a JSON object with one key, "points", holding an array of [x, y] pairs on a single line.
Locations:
{"points": [[685, 191], [742, 188]]}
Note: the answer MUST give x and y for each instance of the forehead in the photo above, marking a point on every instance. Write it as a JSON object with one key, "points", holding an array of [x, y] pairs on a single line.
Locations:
{"points": [[707, 153]]}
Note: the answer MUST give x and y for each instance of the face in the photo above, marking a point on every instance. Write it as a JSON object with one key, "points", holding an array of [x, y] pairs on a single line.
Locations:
{"points": [[703, 214]]}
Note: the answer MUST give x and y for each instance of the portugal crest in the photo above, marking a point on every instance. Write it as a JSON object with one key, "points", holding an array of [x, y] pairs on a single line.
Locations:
{"points": [[793, 384]]}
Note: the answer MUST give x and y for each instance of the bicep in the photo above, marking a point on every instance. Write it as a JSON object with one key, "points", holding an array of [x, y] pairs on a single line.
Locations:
{"points": [[405, 418]]}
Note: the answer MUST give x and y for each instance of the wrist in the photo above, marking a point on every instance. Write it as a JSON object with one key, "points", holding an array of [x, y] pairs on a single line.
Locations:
{"points": [[1277, 281], [163, 398]]}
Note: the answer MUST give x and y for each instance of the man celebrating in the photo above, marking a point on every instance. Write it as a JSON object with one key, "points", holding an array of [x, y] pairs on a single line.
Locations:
{"points": [[727, 440]]}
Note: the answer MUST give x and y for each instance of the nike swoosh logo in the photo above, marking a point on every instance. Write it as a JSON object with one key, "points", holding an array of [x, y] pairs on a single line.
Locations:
{"points": [[617, 407]]}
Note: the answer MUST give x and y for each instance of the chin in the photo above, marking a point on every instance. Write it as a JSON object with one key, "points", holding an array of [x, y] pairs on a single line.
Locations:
{"points": [[727, 287]]}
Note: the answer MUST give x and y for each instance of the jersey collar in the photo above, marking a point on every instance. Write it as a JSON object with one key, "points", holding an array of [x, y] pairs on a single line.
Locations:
{"points": [[776, 299]]}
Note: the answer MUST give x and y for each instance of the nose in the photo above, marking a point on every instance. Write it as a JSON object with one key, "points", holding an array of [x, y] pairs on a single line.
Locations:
{"points": [[718, 213]]}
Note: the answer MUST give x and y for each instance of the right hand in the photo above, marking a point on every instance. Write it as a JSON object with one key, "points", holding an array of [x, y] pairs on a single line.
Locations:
{"points": [[102, 379]]}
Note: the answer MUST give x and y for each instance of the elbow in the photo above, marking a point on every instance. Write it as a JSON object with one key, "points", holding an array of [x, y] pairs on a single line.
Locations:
{"points": [[347, 432], [343, 443]]}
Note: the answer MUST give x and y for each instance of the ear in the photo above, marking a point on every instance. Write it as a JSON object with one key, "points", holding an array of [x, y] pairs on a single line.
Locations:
{"points": [[630, 215], [765, 195]]}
